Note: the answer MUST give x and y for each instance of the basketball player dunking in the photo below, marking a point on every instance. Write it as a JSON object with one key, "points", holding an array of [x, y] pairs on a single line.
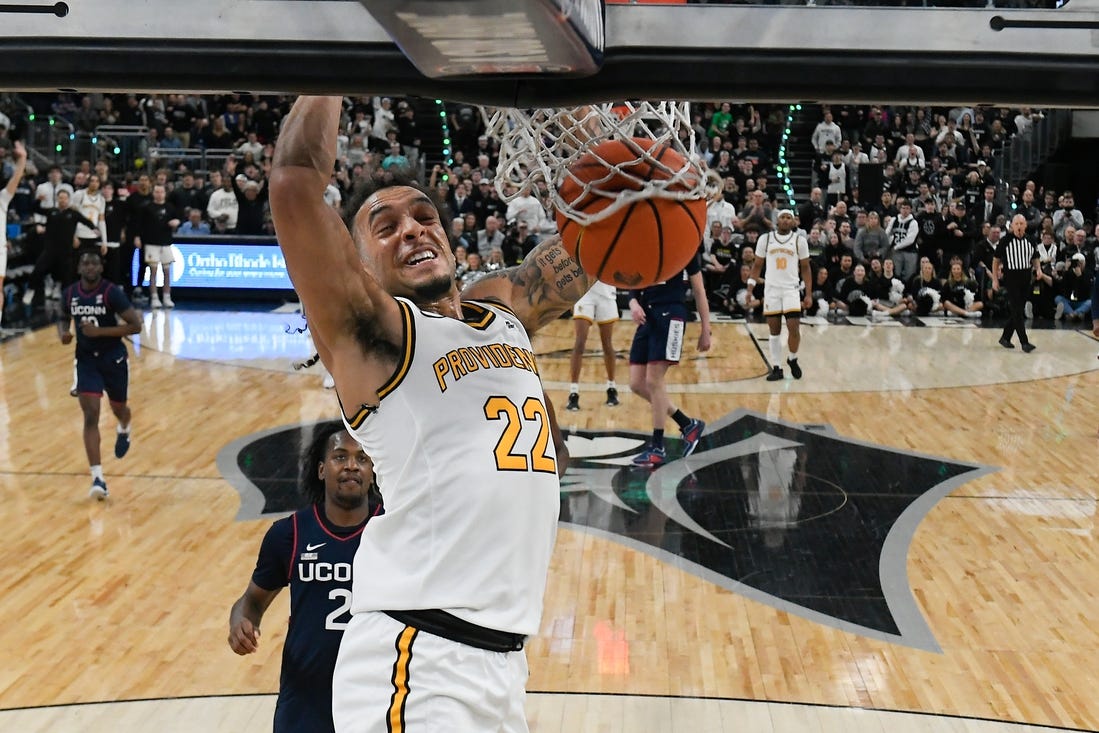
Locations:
{"points": [[442, 391], [311, 551], [786, 253]]}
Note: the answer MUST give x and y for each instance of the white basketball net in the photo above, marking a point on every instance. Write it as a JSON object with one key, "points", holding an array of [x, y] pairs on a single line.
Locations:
{"points": [[541, 144]]}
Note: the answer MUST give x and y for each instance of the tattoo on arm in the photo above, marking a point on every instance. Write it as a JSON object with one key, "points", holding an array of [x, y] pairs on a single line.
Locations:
{"points": [[550, 281], [543, 286]]}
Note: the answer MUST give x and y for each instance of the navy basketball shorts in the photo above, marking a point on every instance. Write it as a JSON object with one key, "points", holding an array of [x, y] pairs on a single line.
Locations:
{"points": [[106, 371], [660, 338]]}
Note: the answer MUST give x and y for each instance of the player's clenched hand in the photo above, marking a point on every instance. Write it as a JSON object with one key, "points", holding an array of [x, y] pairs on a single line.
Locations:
{"points": [[243, 637], [704, 340], [66, 337], [637, 313]]}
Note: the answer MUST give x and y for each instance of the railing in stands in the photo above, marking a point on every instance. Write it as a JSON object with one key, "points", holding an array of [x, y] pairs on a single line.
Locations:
{"points": [[1026, 153]]}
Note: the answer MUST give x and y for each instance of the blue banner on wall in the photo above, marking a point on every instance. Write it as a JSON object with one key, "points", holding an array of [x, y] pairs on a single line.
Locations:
{"points": [[226, 265]]}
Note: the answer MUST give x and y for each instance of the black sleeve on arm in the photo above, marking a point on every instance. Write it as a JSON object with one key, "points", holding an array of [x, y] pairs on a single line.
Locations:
{"points": [[275, 556]]}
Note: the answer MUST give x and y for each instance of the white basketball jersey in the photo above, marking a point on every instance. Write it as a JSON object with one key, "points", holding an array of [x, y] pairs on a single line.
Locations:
{"points": [[90, 206], [466, 465], [783, 255]]}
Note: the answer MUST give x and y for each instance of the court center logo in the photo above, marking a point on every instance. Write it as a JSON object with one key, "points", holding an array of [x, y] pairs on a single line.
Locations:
{"points": [[793, 516]]}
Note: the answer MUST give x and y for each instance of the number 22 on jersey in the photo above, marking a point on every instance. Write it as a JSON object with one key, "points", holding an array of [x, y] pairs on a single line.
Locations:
{"points": [[532, 416]]}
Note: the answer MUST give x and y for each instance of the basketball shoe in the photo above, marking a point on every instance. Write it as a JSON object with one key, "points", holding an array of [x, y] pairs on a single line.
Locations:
{"points": [[612, 397], [691, 435], [651, 457], [99, 489], [121, 444], [574, 402]]}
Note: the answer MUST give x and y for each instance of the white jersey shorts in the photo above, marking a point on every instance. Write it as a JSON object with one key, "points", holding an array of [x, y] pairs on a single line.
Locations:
{"points": [[598, 305], [783, 301], [393, 678], [159, 254]]}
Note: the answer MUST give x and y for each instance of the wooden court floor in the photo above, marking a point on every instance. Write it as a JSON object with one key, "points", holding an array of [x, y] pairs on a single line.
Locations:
{"points": [[113, 616]]}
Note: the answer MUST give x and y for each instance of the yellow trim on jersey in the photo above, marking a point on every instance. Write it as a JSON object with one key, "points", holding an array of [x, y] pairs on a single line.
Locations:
{"points": [[782, 313], [408, 350], [395, 715], [579, 317], [476, 315], [496, 304]]}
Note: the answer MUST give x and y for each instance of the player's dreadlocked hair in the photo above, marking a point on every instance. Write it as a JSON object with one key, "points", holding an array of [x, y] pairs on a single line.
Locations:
{"points": [[312, 486], [315, 449]]}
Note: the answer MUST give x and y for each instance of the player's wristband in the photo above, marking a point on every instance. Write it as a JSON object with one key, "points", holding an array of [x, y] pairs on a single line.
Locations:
{"points": [[751, 283]]}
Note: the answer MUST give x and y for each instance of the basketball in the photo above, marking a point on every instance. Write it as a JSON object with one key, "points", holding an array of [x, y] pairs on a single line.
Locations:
{"points": [[647, 241]]}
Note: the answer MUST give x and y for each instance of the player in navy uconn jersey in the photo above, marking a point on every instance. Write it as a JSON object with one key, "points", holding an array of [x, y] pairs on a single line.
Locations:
{"points": [[311, 551], [442, 388], [660, 312], [102, 362]]}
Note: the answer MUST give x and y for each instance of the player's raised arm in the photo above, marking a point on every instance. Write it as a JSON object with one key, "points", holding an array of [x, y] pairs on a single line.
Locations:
{"points": [[540, 288], [335, 289]]}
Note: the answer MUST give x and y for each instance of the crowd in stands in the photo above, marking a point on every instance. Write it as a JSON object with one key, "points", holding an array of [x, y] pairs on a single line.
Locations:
{"points": [[929, 224], [916, 238]]}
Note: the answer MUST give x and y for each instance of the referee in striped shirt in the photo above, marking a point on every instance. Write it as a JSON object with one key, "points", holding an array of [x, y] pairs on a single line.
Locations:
{"points": [[1014, 254]]}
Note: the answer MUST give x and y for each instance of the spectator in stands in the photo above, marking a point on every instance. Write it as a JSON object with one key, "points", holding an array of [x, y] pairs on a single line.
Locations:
{"points": [[474, 270], [1074, 296], [491, 236], [251, 198], [988, 210], [823, 292], [910, 155], [812, 210], [756, 214], [222, 206], [461, 261], [527, 208], [826, 131], [1066, 214], [395, 158], [743, 300], [1030, 212], [902, 249], [187, 195], [194, 226], [871, 240], [1043, 287], [384, 117], [1078, 245], [836, 176], [721, 121], [983, 253], [719, 210], [1048, 249], [961, 233]]}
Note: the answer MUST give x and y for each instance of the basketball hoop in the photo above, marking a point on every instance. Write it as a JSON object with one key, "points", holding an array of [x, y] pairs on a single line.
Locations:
{"points": [[542, 144]]}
